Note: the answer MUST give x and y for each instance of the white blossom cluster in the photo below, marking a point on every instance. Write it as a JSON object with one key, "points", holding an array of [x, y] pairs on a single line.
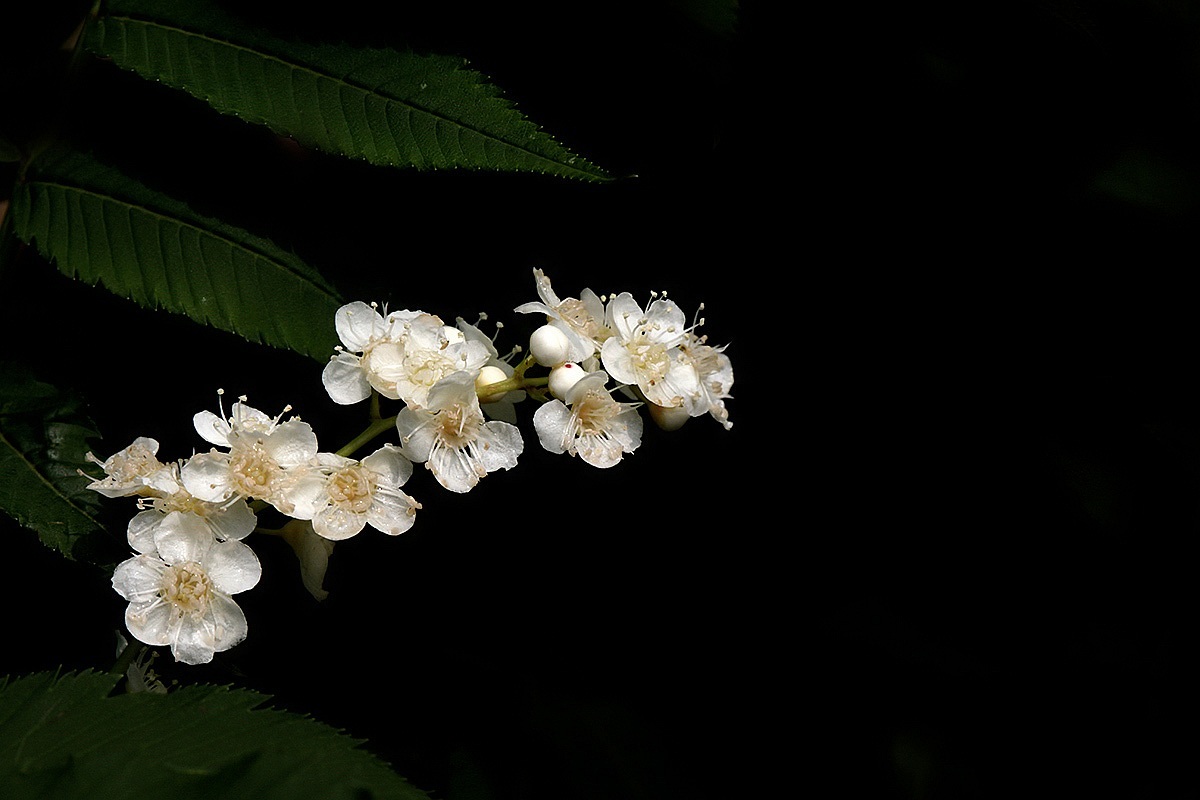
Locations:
{"points": [[457, 418]]}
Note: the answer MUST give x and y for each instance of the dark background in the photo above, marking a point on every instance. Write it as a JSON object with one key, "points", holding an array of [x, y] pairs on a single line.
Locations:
{"points": [[946, 550], [560, 631]]}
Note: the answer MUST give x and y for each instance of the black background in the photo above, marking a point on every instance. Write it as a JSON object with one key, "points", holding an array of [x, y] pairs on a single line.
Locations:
{"points": [[946, 550], [560, 631]]}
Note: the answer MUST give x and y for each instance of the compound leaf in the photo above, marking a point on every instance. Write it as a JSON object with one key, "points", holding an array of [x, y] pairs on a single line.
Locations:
{"points": [[70, 737], [100, 226], [44, 435], [389, 107]]}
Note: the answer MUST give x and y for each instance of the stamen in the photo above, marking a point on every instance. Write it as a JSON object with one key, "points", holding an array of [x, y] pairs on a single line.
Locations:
{"points": [[275, 421]]}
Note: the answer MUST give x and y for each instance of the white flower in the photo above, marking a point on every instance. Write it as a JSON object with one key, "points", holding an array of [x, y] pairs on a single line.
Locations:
{"points": [[261, 451], [582, 319], [715, 373], [452, 437], [342, 496], [400, 356], [182, 596], [171, 507], [370, 345], [130, 471], [140, 676], [429, 351], [495, 406], [313, 553], [644, 351], [590, 424]]}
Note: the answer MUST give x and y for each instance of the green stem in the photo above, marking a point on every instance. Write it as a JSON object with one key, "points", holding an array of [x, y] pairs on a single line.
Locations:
{"points": [[131, 651], [376, 427], [517, 381]]}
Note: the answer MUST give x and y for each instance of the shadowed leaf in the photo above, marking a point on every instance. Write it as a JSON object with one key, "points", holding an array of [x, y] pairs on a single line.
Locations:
{"points": [[68, 737], [100, 226], [44, 437]]}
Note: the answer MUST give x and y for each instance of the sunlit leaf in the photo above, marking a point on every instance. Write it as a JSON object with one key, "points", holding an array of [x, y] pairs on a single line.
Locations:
{"points": [[389, 107], [100, 226], [70, 737]]}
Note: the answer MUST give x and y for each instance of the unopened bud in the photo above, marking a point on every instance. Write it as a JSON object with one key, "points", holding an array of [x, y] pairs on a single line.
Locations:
{"points": [[486, 377], [549, 346], [563, 377], [669, 419]]}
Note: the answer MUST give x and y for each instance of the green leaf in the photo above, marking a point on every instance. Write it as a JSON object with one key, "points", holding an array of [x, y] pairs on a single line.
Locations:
{"points": [[718, 16], [389, 107], [68, 736], [100, 226], [44, 437]]}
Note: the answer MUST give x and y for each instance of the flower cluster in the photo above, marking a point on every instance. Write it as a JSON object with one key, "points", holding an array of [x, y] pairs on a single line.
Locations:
{"points": [[457, 417]]}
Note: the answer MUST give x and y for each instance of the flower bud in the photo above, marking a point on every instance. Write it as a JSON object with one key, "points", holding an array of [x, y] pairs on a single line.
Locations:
{"points": [[563, 377], [549, 346], [669, 419], [487, 376]]}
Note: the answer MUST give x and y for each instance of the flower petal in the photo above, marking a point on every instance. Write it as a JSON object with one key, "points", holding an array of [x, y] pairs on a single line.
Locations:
{"points": [[498, 445], [550, 422], [384, 366], [417, 434], [626, 315], [358, 325], [229, 622], [150, 622], [292, 444], [392, 512], [335, 524], [454, 469], [138, 579], [618, 362], [598, 451], [232, 567], [391, 467], [234, 522], [140, 531], [345, 380], [303, 494], [206, 477], [211, 428], [194, 639], [183, 537]]}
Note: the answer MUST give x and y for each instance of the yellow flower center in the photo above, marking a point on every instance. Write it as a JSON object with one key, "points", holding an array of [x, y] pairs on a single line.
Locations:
{"points": [[459, 425], [187, 587], [253, 471], [136, 462], [593, 412], [352, 488]]}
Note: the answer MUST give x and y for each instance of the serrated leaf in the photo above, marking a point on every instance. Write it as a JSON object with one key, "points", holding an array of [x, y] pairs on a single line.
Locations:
{"points": [[68, 737], [101, 226], [389, 107], [44, 437]]}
